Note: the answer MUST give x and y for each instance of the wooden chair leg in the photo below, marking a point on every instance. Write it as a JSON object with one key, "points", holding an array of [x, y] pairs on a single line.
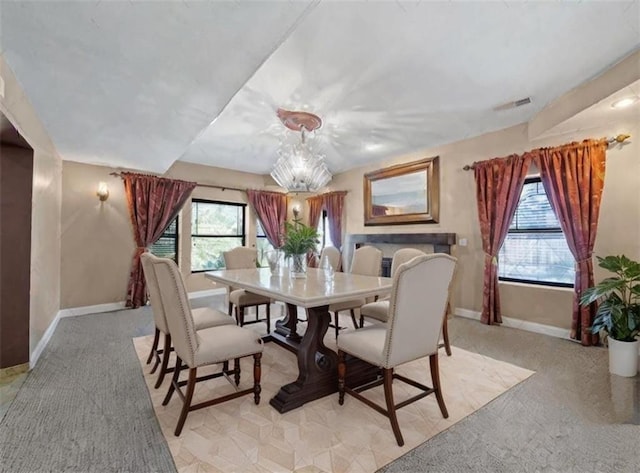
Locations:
{"points": [[236, 371], [361, 320], [335, 322], [225, 366], [191, 386], [154, 347], [230, 311], [257, 372], [435, 379], [391, 407], [155, 365], [240, 315], [174, 381], [445, 336], [166, 353], [268, 317], [342, 373], [353, 319]]}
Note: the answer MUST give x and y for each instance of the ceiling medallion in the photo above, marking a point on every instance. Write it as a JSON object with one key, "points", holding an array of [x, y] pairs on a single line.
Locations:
{"points": [[298, 168]]}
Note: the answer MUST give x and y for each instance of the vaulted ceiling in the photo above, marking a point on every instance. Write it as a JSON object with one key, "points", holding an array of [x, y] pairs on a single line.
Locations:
{"points": [[140, 85]]}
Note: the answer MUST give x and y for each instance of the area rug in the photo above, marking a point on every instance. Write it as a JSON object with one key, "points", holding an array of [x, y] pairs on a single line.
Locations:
{"points": [[321, 436]]}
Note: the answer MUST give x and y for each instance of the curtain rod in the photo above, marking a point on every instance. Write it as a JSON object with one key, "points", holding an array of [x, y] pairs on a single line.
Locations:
{"points": [[227, 188], [212, 186], [616, 139]]}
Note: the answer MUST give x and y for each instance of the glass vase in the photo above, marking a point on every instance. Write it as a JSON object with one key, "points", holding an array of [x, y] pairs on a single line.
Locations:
{"points": [[298, 266]]}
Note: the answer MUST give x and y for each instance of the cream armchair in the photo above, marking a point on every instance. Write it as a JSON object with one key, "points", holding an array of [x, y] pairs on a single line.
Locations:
{"points": [[198, 348], [245, 258], [366, 261], [416, 312], [204, 317], [379, 310], [333, 255]]}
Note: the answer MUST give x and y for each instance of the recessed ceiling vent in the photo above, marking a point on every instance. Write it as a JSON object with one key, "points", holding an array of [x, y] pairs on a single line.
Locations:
{"points": [[514, 104]]}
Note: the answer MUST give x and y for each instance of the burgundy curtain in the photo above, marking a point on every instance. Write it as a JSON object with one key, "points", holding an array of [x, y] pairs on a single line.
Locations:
{"points": [[316, 204], [271, 208], [334, 203], [573, 178], [498, 185], [153, 204]]}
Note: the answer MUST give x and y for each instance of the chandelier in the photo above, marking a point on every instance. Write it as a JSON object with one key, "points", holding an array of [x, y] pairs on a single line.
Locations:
{"points": [[298, 168]]}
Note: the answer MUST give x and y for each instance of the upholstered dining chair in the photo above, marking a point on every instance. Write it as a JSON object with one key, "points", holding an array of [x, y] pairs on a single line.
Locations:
{"points": [[245, 258], [366, 261], [416, 312], [199, 348], [379, 310], [331, 254], [204, 317]]}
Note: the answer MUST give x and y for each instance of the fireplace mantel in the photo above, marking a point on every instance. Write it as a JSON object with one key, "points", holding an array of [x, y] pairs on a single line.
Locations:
{"points": [[441, 242]]}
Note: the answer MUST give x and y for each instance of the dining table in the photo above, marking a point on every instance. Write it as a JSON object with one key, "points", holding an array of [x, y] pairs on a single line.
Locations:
{"points": [[317, 364]]}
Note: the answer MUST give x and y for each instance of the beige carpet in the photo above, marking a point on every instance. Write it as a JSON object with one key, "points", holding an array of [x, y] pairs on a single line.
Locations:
{"points": [[321, 436]]}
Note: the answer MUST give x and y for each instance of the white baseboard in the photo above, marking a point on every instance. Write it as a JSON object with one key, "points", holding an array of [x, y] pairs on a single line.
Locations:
{"points": [[518, 323], [92, 309], [96, 309], [35, 355]]}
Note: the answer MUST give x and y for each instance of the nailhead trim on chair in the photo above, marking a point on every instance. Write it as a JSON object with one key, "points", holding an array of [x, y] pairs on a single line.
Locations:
{"points": [[190, 328]]}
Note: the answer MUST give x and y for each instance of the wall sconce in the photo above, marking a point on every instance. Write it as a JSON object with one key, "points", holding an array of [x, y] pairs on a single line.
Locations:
{"points": [[103, 191], [295, 208]]}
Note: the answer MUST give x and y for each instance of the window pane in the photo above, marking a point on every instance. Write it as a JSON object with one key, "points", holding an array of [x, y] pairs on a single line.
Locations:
{"points": [[534, 210], [324, 238], [259, 231], [206, 252], [216, 219], [172, 229], [167, 245], [263, 246], [541, 257]]}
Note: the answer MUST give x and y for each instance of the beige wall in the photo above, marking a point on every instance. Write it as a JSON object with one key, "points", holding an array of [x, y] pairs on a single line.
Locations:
{"points": [[97, 237], [619, 229], [46, 206], [45, 243]]}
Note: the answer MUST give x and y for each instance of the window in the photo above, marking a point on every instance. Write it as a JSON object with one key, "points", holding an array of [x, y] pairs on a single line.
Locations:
{"points": [[215, 227], [167, 244], [535, 249], [323, 232], [262, 245]]}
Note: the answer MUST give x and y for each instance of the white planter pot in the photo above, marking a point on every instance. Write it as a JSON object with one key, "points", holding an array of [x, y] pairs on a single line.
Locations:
{"points": [[623, 357]]}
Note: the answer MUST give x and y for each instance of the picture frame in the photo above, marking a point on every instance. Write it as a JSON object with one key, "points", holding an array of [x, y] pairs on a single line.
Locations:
{"points": [[403, 194]]}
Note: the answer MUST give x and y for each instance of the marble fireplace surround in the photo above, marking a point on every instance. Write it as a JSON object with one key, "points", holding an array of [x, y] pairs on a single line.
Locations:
{"points": [[388, 243]]}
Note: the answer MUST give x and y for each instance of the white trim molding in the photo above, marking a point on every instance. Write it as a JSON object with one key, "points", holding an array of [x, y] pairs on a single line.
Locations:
{"points": [[518, 323], [44, 341]]}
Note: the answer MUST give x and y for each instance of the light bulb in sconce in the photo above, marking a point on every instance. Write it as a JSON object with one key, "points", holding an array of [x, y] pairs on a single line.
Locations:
{"points": [[103, 191]]}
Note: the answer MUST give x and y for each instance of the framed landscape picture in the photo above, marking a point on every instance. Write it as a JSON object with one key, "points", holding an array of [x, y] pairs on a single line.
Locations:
{"points": [[402, 194]]}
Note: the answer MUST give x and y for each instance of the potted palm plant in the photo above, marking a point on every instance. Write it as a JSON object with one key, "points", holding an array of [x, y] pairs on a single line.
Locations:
{"points": [[299, 239], [619, 312]]}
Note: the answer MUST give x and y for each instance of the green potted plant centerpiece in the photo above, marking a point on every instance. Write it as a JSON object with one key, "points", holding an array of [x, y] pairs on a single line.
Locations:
{"points": [[619, 312], [299, 239]]}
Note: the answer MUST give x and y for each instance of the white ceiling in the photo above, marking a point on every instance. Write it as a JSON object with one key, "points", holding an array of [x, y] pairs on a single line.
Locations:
{"points": [[140, 84]]}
